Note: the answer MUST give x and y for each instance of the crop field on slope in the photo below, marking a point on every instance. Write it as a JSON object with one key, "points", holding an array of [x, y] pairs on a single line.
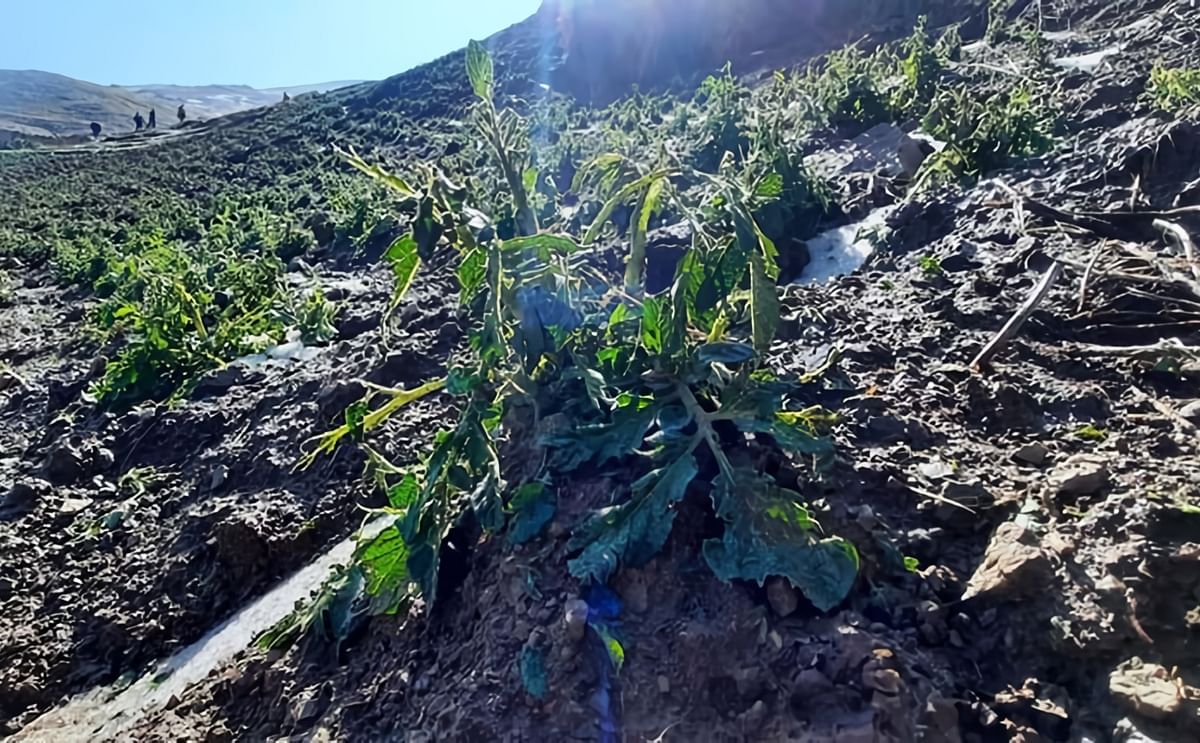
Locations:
{"points": [[675, 496]]}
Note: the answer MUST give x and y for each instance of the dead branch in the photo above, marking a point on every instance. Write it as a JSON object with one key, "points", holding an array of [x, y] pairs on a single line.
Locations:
{"points": [[1166, 346], [1087, 274], [1015, 322], [1182, 240], [1167, 411]]}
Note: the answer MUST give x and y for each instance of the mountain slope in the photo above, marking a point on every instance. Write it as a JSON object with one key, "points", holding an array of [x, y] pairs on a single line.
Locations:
{"points": [[46, 104]]}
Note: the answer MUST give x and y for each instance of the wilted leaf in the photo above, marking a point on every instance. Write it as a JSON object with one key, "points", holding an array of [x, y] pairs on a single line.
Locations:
{"points": [[632, 533], [405, 262], [764, 305], [532, 507], [533, 672], [724, 352], [601, 442], [768, 532]]}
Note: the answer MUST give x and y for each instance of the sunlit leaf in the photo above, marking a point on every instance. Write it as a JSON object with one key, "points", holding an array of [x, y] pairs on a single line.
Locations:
{"points": [[479, 70]]}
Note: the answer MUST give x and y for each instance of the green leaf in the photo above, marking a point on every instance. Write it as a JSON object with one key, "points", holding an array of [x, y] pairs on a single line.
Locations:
{"points": [[472, 272], [529, 179], [768, 532], [630, 534], [479, 70], [545, 245], [405, 262], [405, 492], [531, 507], [770, 187], [764, 305], [616, 652], [384, 560], [356, 416], [653, 322], [427, 229]]}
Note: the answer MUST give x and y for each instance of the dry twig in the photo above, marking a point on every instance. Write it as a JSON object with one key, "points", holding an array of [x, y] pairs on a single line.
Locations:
{"points": [[1017, 320]]}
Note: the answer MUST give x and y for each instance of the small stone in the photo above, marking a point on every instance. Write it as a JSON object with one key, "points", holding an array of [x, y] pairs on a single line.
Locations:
{"points": [[755, 714], [886, 680], [103, 460], [98, 367], [1082, 474], [782, 597], [217, 479], [1035, 454], [575, 616], [664, 684]]}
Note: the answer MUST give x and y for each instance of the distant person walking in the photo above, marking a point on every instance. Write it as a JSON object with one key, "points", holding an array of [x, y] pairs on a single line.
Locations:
{"points": [[138, 121], [153, 122], [181, 114], [95, 130]]}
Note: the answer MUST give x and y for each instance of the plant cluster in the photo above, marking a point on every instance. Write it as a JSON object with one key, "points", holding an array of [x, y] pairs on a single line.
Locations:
{"points": [[1174, 89], [176, 307], [179, 312], [673, 386]]}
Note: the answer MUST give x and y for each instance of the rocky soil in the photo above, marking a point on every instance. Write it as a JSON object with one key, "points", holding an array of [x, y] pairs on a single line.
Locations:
{"points": [[1050, 496]]}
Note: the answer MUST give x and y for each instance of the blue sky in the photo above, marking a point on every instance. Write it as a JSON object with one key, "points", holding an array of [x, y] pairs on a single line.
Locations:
{"points": [[264, 43]]}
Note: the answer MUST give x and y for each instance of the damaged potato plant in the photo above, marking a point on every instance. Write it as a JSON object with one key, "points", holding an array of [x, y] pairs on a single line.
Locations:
{"points": [[601, 374]]}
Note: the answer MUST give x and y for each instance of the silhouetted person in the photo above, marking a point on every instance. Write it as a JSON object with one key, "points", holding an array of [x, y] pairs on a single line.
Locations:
{"points": [[153, 122], [95, 130], [181, 114], [138, 121], [286, 97]]}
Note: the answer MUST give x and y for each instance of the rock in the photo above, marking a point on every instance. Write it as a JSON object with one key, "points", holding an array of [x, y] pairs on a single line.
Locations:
{"points": [[98, 367], [1191, 412], [1146, 688], [219, 381], [217, 479], [1082, 474], [64, 463], [1035, 454], [913, 149], [575, 616], [664, 684], [782, 597], [1013, 566], [354, 323], [24, 495], [631, 585], [940, 720]]}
